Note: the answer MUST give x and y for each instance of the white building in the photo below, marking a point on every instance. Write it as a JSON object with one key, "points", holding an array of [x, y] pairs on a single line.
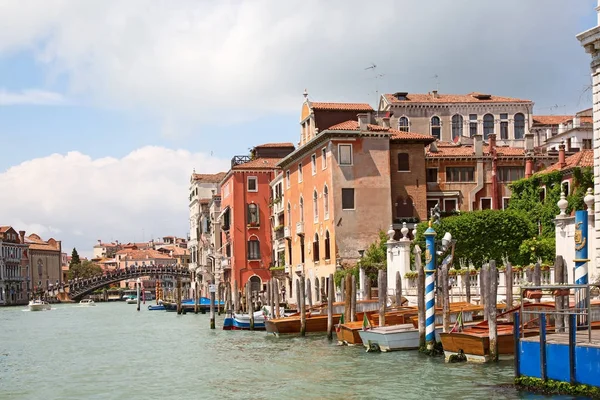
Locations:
{"points": [[574, 131], [277, 221]]}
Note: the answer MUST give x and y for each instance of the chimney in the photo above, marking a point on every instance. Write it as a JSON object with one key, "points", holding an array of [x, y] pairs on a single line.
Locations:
{"points": [[576, 122], [528, 167], [433, 147], [478, 145], [529, 142], [22, 236], [492, 141], [561, 156], [386, 122], [435, 94], [363, 121]]}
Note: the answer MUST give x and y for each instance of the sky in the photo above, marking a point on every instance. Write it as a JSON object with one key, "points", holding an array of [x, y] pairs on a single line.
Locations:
{"points": [[107, 106]]}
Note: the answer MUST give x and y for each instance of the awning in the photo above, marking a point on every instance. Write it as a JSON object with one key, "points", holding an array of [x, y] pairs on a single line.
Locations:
{"points": [[223, 213], [449, 193]]}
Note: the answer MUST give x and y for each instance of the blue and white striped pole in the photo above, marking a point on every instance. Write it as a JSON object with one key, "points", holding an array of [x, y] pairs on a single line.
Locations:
{"points": [[581, 260], [429, 285]]}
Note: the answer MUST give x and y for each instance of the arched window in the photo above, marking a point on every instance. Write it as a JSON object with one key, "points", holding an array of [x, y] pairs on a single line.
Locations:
{"points": [[325, 202], [519, 126], [327, 246], [253, 216], [457, 127], [488, 125], [316, 248], [403, 124], [255, 284], [404, 207], [436, 127], [301, 209], [316, 206]]}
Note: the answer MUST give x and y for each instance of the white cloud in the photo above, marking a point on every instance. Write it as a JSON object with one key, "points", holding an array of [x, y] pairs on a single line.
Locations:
{"points": [[79, 200], [31, 97], [228, 61]]}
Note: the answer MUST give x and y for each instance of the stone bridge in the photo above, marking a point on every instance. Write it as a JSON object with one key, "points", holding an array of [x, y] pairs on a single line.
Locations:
{"points": [[75, 289]]}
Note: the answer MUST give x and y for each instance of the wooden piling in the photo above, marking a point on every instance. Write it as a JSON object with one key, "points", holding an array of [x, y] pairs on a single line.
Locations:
{"points": [[330, 295], [509, 288], [212, 309], [421, 301], [467, 278], [269, 298], [347, 296], [445, 298], [236, 297], [353, 300], [483, 289], [342, 288], [196, 298], [398, 289], [250, 305], [302, 307], [309, 293], [219, 297], [559, 300], [367, 288], [491, 303], [277, 299], [298, 295], [178, 295], [138, 287], [537, 277], [382, 291]]}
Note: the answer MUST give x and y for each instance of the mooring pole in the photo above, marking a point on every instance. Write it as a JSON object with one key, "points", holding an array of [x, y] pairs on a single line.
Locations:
{"points": [[430, 287], [353, 300], [330, 295], [302, 307], [492, 310], [212, 305], [581, 260], [138, 287]]}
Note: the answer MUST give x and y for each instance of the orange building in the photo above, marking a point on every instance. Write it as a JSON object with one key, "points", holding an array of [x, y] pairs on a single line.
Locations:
{"points": [[245, 215], [339, 185]]}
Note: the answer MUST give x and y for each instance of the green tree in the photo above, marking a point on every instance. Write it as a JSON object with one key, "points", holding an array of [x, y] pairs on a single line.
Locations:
{"points": [[84, 270], [74, 258]]}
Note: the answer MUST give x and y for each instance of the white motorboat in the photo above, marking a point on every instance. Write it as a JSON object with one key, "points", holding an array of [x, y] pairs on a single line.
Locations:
{"points": [[87, 303], [39, 305], [131, 300], [393, 337]]}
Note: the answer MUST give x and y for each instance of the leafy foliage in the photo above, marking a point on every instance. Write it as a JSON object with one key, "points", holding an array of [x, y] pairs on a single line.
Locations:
{"points": [[84, 270], [484, 235], [538, 248], [74, 258], [556, 387], [374, 259]]}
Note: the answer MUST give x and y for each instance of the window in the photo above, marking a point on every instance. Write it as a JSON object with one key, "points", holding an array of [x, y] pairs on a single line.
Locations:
{"points": [[485, 203], [313, 164], [253, 216], [327, 246], [253, 249], [542, 194], [288, 217], [449, 205], [436, 127], [403, 164], [227, 219], [472, 124], [432, 175], [519, 126], [403, 124], [586, 143], [287, 178], [488, 125], [323, 158], [302, 249], [316, 248], [566, 187], [510, 174], [457, 127], [252, 184], [505, 202], [345, 154], [348, 199], [325, 202], [460, 174], [299, 172], [504, 126], [290, 251], [301, 209], [315, 206]]}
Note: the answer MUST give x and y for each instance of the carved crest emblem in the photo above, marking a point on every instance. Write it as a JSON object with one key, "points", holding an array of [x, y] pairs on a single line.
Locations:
{"points": [[427, 256], [579, 239]]}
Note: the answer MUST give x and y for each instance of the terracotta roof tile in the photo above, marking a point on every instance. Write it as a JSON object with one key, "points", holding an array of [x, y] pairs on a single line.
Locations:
{"points": [[445, 149], [270, 145], [394, 134], [551, 119], [209, 178], [341, 106], [259, 163], [586, 120], [451, 98], [141, 255], [4, 228], [583, 158]]}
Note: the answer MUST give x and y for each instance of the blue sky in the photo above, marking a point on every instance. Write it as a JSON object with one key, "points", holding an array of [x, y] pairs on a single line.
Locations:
{"points": [[104, 79]]}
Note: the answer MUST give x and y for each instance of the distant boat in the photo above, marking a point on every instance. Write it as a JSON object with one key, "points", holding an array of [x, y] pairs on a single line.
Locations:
{"points": [[189, 304], [131, 300], [39, 305], [87, 303], [158, 307], [242, 322]]}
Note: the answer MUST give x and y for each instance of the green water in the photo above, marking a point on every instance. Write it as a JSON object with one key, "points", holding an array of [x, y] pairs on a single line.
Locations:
{"points": [[111, 351]]}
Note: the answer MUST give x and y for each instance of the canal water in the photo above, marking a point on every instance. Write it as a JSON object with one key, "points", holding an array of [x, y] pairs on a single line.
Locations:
{"points": [[111, 351]]}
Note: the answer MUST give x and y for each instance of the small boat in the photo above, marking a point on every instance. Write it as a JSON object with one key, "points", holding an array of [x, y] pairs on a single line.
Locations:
{"points": [[131, 300], [393, 337], [348, 333], [39, 305], [189, 304], [242, 322], [158, 307], [87, 303]]}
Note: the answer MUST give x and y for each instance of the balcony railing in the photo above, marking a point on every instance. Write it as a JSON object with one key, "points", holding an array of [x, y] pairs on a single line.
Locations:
{"points": [[300, 228], [237, 160]]}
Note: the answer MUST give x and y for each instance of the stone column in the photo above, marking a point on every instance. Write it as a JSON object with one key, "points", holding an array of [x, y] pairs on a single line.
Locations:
{"points": [[398, 256]]}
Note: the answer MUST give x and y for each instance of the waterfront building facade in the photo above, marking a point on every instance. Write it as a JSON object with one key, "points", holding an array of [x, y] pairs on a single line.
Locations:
{"points": [[14, 267], [458, 117], [245, 217], [575, 131], [45, 262]]}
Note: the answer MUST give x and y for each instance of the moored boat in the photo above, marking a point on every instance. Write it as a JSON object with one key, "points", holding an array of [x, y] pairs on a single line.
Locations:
{"points": [[393, 337], [242, 322], [87, 303], [39, 305], [348, 333]]}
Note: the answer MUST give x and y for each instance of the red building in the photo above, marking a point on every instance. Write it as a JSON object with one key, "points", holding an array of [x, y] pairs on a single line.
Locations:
{"points": [[245, 215]]}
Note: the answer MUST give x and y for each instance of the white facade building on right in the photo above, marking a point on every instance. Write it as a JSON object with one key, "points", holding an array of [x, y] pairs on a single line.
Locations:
{"points": [[590, 40]]}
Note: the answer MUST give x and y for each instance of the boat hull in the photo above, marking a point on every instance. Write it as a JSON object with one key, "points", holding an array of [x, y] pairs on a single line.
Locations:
{"points": [[291, 325], [39, 307], [393, 338], [241, 322]]}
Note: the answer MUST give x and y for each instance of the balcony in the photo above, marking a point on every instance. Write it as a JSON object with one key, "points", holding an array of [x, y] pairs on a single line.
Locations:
{"points": [[287, 269], [287, 232], [300, 228], [238, 160], [226, 263], [299, 268], [279, 234]]}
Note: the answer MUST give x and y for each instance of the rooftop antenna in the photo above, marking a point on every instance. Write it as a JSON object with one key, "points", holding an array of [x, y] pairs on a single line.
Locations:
{"points": [[373, 67], [437, 82]]}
